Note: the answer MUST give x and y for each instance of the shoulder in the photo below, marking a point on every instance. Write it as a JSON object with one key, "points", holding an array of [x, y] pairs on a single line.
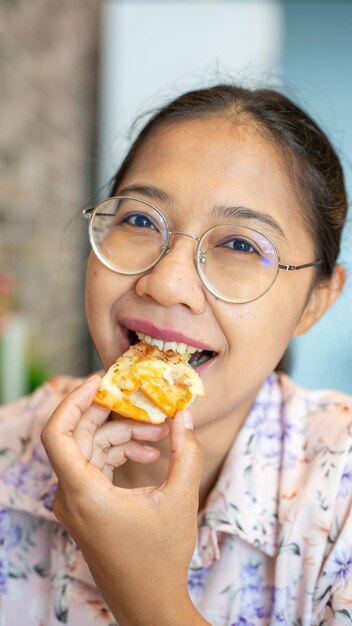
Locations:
{"points": [[320, 415], [315, 506], [26, 477], [292, 391], [316, 427], [297, 433]]}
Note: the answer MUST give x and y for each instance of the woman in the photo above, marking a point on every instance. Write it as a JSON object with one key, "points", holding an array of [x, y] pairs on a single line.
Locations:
{"points": [[249, 181]]}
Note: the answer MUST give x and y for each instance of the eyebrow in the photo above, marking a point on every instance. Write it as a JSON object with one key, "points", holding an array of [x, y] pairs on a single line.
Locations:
{"points": [[221, 211], [243, 212], [151, 192]]}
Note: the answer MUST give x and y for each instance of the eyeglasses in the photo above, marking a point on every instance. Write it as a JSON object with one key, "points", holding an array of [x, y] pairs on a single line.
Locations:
{"points": [[235, 263]]}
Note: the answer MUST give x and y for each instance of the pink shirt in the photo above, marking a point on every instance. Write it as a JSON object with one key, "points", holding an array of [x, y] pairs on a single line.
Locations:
{"points": [[275, 537]]}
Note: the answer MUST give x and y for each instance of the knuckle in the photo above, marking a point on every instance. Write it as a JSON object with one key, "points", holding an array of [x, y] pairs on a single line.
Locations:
{"points": [[128, 430], [43, 434], [117, 432], [124, 452], [46, 435], [102, 444], [116, 456]]}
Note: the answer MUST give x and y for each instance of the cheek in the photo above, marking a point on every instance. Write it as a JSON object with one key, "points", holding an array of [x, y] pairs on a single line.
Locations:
{"points": [[258, 332], [103, 287], [103, 292], [95, 294]]}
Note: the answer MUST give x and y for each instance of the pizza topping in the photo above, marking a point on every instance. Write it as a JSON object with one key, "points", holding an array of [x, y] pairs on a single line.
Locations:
{"points": [[148, 384]]}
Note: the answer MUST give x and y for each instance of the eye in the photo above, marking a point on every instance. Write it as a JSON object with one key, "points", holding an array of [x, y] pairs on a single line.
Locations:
{"points": [[240, 245], [140, 220]]}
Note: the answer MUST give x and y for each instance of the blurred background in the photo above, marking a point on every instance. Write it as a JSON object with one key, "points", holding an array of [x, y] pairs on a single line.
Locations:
{"points": [[73, 78]]}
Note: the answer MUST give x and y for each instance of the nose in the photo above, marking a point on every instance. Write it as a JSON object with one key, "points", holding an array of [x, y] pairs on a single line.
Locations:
{"points": [[175, 280]]}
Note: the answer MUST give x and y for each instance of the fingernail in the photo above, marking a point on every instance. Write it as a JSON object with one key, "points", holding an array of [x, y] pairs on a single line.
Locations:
{"points": [[187, 419]]}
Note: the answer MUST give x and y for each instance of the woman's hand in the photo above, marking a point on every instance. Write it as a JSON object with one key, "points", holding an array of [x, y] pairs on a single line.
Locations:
{"points": [[138, 543], [110, 444]]}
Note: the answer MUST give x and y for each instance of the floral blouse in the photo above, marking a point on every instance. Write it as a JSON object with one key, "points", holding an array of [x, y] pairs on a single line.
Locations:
{"points": [[275, 537]]}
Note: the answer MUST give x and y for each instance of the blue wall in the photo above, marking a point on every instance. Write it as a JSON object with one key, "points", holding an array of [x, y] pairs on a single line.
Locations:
{"points": [[317, 66]]}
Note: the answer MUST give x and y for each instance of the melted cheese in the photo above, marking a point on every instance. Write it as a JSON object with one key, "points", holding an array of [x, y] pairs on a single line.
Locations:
{"points": [[142, 401]]}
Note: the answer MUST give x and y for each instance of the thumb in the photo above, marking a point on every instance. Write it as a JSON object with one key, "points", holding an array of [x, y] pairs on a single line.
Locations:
{"points": [[186, 462], [57, 438]]}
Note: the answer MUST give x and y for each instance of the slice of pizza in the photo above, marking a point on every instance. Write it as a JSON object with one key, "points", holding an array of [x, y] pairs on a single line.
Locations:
{"points": [[149, 385]]}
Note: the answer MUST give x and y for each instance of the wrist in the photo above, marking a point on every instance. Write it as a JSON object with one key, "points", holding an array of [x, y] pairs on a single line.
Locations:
{"points": [[180, 611], [157, 601], [165, 611]]}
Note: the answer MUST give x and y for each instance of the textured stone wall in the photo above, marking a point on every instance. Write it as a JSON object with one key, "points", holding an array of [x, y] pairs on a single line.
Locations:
{"points": [[48, 68]]}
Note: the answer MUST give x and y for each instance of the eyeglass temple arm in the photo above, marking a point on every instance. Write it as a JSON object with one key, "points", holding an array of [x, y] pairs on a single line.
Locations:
{"points": [[87, 213], [298, 267]]}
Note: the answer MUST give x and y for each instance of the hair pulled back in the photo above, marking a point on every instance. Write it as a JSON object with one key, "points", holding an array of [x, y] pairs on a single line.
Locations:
{"points": [[313, 165]]}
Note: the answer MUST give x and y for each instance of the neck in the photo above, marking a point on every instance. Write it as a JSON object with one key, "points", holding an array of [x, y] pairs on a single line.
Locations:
{"points": [[216, 438]]}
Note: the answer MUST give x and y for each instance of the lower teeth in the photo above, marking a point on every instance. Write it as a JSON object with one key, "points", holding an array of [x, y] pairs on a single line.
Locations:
{"points": [[202, 359]]}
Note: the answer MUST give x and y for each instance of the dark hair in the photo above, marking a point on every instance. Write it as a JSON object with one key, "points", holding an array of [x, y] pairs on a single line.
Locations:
{"points": [[312, 162]]}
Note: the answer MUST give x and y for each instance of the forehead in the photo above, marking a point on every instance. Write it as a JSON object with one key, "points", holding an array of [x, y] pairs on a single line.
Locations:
{"points": [[210, 162]]}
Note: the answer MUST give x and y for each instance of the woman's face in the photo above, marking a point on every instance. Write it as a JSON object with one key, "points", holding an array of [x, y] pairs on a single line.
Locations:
{"points": [[202, 164]]}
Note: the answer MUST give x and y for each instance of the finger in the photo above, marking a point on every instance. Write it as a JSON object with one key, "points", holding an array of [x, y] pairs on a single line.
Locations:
{"points": [[57, 436], [116, 433], [186, 463], [121, 431], [87, 427], [131, 451]]}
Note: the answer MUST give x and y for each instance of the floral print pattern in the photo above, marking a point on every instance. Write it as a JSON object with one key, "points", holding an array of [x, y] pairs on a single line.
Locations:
{"points": [[275, 537]]}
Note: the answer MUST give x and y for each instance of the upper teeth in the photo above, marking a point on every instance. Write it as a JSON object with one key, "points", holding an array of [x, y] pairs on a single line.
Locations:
{"points": [[181, 348]]}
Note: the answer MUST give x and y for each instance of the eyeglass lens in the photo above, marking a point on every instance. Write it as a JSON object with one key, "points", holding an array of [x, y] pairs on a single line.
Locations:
{"points": [[235, 262], [129, 234]]}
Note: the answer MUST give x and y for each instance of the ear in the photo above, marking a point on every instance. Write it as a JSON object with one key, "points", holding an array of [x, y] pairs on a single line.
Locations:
{"points": [[320, 300]]}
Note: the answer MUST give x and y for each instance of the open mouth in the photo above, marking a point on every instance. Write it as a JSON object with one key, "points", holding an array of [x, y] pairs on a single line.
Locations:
{"points": [[195, 359], [200, 357]]}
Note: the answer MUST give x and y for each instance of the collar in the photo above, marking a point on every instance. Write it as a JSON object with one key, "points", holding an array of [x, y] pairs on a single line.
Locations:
{"points": [[244, 501]]}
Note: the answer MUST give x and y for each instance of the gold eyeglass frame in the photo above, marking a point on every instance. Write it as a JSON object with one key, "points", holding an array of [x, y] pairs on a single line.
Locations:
{"points": [[200, 257]]}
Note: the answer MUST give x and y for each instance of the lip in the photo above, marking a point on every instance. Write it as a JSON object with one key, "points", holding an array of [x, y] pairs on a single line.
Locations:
{"points": [[164, 334]]}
